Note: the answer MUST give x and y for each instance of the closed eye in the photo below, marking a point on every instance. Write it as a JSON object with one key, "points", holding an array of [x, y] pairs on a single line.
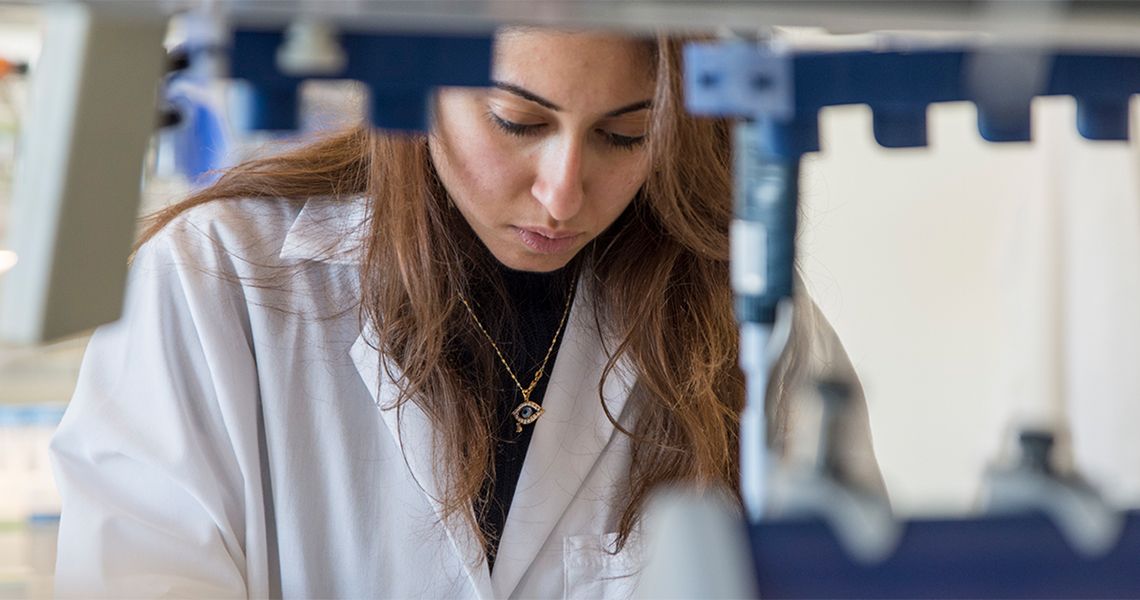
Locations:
{"points": [[616, 140], [622, 141], [512, 128]]}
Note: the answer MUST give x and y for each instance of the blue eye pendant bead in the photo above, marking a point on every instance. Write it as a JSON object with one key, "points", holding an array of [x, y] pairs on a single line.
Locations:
{"points": [[526, 413]]}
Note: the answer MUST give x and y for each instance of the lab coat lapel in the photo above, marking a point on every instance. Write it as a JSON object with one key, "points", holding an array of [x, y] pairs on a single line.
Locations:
{"points": [[568, 439], [413, 430], [319, 221]]}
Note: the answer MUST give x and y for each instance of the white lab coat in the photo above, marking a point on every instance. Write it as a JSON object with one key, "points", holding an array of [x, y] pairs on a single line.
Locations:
{"points": [[230, 437]]}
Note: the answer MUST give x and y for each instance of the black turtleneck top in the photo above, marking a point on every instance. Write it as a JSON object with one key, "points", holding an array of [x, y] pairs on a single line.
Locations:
{"points": [[538, 301]]}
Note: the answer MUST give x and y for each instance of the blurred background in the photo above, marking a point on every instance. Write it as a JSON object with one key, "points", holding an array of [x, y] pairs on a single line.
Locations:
{"points": [[977, 287], [35, 383]]}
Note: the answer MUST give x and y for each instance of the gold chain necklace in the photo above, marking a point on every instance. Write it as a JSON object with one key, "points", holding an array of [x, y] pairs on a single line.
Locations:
{"points": [[526, 412]]}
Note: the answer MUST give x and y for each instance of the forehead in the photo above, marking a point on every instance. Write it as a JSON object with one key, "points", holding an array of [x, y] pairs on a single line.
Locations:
{"points": [[572, 68]]}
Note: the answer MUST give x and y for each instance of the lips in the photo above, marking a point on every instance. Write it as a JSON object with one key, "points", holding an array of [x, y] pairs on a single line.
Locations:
{"points": [[547, 241]]}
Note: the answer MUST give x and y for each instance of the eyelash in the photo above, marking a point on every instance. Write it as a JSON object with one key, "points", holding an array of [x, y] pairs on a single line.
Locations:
{"points": [[624, 142]]}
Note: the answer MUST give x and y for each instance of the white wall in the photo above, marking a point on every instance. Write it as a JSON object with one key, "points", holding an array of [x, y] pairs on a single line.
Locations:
{"points": [[919, 259]]}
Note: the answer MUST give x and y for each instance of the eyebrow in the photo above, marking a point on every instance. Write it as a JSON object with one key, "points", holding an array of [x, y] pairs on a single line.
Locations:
{"points": [[543, 102]]}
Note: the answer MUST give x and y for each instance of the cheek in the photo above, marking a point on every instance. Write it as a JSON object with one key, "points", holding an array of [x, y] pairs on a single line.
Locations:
{"points": [[482, 171], [622, 184], [479, 164]]}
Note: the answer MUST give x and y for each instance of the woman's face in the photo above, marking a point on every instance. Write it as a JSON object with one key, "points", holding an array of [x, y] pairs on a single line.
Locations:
{"points": [[547, 159]]}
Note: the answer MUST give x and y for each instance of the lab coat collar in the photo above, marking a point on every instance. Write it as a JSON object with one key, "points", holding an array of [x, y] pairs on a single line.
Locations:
{"points": [[567, 441], [332, 230]]}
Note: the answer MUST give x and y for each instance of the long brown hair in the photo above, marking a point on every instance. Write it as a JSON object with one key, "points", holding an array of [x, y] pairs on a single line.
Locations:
{"points": [[659, 275]]}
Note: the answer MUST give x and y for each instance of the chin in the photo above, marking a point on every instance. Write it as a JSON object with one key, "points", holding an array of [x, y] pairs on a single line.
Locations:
{"points": [[534, 263]]}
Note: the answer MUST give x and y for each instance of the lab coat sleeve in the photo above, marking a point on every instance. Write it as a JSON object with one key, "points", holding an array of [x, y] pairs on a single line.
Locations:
{"points": [[156, 457], [814, 353]]}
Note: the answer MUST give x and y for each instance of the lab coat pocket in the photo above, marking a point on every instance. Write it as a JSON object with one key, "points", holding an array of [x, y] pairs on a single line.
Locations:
{"points": [[593, 570]]}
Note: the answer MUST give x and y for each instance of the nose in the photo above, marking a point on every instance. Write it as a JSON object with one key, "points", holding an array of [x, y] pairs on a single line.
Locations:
{"points": [[558, 184]]}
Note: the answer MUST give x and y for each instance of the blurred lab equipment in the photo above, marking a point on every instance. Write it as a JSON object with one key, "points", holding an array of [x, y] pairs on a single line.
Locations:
{"points": [[73, 207], [1068, 542], [1034, 485], [12, 77], [9, 67], [25, 472], [29, 504]]}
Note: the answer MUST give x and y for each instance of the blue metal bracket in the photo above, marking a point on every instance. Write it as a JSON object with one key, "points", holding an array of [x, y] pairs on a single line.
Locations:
{"points": [[400, 70], [721, 80]]}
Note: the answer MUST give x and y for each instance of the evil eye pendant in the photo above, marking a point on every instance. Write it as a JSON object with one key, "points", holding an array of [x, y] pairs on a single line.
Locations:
{"points": [[526, 413]]}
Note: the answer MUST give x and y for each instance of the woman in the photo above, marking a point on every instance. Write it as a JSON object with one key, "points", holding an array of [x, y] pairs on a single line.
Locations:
{"points": [[446, 366]]}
